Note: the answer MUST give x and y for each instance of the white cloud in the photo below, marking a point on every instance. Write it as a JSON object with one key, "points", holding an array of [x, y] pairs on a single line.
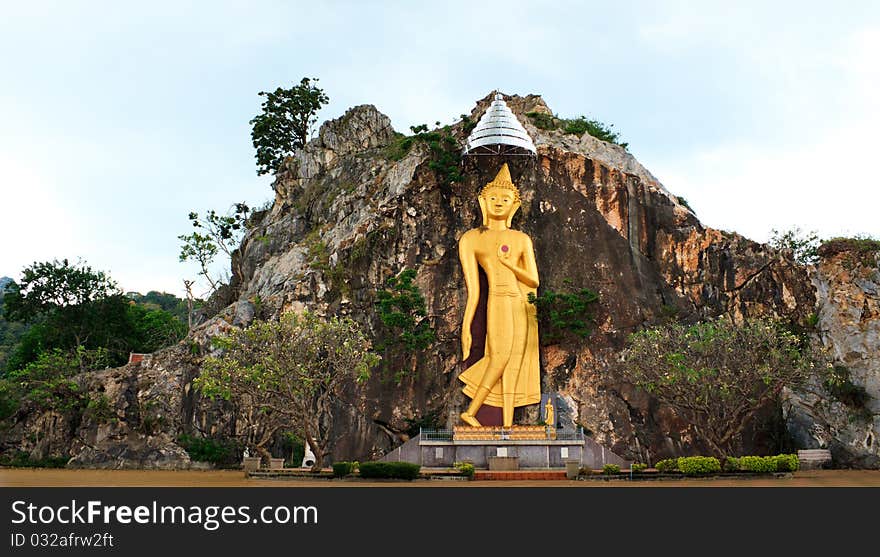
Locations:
{"points": [[823, 178], [36, 224]]}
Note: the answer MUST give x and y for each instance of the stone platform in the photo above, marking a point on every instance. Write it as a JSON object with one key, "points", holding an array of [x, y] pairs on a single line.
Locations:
{"points": [[495, 433], [533, 447]]}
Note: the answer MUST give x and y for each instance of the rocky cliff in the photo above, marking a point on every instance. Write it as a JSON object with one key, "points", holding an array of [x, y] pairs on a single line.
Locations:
{"points": [[353, 208]]}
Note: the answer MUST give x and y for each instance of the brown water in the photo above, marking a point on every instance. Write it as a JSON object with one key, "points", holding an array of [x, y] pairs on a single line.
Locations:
{"points": [[234, 478]]}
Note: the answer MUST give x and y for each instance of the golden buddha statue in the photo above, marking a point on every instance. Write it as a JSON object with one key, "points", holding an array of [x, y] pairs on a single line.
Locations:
{"points": [[549, 418], [508, 375]]}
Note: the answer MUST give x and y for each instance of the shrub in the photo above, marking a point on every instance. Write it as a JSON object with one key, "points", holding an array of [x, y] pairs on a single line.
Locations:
{"points": [[21, 459], [638, 467], [393, 470], [595, 128], [758, 463], [466, 468], [610, 469], [698, 465], [787, 463], [566, 313], [220, 452], [731, 464], [343, 468], [667, 465], [585, 471]]}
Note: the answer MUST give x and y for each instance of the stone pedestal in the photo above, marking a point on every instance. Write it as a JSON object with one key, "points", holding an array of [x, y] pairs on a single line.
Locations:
{"points": [[276, 463], [250, 463], [503, 462]]}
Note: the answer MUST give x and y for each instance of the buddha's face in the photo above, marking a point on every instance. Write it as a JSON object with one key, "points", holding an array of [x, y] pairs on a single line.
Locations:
{"points": [[499, 202]]}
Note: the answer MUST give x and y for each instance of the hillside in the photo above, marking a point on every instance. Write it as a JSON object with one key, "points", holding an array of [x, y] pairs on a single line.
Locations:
{"points": [[359, 204]]}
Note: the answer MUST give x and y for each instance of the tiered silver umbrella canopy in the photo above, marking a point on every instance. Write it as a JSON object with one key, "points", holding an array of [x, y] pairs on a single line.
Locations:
{"points": [[499, 133]]}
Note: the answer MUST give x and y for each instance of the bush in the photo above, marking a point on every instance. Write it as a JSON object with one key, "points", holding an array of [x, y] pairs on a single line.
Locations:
{"points": [[698, 465], [564, 314], [757, 463], [731, 464], [585, 471], [466, 468], [787, 463], [220, 452], [21, 459], [638, 467], [667, 465], [610, 469], [344, 468], [393, 470]]}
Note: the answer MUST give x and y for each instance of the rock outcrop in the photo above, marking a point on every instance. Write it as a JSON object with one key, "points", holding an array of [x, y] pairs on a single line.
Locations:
{"points": [[845, 418], [352, 210]]}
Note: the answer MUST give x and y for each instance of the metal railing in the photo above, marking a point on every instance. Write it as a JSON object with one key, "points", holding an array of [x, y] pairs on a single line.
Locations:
{"points": [[435, 434], [430, 434]]}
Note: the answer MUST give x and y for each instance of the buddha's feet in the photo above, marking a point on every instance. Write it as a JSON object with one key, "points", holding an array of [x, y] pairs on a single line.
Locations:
{"points": [[470, 420]]}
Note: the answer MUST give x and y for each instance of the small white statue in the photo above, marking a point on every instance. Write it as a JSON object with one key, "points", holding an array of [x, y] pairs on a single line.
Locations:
{"points": [[308, 457]]}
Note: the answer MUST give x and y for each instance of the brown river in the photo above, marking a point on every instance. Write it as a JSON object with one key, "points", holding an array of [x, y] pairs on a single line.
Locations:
{"points": [[235, 478]]}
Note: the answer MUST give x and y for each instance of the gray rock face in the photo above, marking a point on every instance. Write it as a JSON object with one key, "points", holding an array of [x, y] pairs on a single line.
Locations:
{"points": [[847, 283], [359, 129]]}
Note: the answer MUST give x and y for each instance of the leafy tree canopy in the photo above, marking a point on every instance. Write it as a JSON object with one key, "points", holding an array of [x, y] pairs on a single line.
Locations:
{"points": [[287, 375], [55, 285], [214, 233], [73, 306], [803, 245], [285, 123], [717, 375]]}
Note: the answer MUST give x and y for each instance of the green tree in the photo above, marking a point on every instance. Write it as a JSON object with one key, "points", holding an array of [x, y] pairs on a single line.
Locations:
{"points": [[803, 245], [718, 375], [10, 331], [214, 233], [285, 123], [72, 306], [69, 306], [564, 314], [407, 329], [288, 375], [50, 382], [153, 329], [161, 300]]}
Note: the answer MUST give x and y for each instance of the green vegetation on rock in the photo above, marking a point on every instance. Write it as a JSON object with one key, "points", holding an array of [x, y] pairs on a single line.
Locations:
{"points": [[406, 327], [565, 313], [443, 146], [577, 126]]}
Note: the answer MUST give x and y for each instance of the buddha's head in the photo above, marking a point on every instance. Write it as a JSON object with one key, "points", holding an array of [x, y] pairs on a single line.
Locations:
{"points": [[499, 199]]}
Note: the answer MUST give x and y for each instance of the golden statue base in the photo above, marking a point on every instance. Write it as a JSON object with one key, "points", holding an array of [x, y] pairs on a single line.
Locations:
{"points": [[493, 433]]}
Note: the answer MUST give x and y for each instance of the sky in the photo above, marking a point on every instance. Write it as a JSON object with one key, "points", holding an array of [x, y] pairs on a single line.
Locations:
{"points": [[119, 118]]}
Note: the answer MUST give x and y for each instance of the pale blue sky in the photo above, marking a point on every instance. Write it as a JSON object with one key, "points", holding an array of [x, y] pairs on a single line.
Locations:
{"points": [[117, 119]]}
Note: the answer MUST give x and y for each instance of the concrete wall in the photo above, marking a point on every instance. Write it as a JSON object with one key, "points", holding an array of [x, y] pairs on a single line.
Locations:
{"points": [[532, 454]]}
